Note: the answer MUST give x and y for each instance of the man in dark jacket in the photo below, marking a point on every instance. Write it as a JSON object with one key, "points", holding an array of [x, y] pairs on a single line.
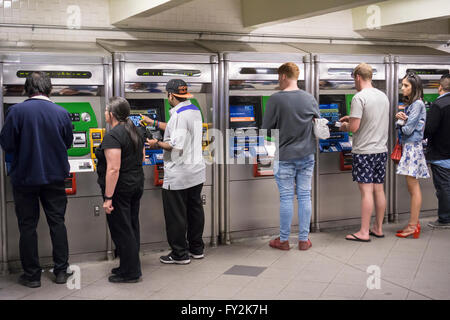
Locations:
{"points": [[37, 133], [437, 131]]}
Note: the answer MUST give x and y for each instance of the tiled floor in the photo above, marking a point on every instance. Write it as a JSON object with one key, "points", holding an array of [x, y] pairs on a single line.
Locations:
{"points": [[332, 269]]}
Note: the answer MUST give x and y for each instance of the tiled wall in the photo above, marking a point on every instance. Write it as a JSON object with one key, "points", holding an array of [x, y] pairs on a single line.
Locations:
{"points": [[206, 15]]}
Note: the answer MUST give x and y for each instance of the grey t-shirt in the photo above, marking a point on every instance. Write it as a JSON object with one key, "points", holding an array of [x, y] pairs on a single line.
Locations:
{"points": [[292, 112], [372, 107]]}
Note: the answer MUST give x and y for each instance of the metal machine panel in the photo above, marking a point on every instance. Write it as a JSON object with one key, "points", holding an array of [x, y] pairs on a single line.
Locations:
{"points": [[11, 70], [338, 197], [236, 67], [86, 232], [255, 204], [402, 68], [361, 49], [132, 76], [344, 71]]}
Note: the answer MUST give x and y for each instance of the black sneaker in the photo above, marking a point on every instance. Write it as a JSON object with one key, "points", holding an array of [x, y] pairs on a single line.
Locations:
{"points": [[120, 279], [197, 256], [29, 283], [169, 260], [62, 277], [439, 225]]}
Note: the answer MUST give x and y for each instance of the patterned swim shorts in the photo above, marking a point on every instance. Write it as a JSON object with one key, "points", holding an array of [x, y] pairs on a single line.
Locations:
{"points": [[369, 168]]}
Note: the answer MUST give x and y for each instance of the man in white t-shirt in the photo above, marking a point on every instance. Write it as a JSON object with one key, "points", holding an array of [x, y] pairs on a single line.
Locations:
{"points": [[369, 122], [184, 175]]}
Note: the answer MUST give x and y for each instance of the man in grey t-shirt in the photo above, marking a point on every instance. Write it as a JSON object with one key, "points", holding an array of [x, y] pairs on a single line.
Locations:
{"points": [[369, 122], [291, 112]]}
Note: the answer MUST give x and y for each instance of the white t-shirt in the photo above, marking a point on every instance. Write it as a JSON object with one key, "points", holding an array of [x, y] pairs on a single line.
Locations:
{"points": [[184, 166], [372, 107]]}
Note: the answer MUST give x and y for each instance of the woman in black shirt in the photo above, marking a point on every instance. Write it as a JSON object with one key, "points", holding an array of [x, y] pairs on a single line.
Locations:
{"points": [[121, 179]]}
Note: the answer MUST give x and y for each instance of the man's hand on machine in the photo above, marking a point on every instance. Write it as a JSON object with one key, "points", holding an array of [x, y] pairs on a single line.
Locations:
{"points": [[344, 119], [108, 207], [146, 121]]}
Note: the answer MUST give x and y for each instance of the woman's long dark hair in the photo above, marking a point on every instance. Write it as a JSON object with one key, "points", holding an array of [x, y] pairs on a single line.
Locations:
{"points": [[120, 108], [416, 88]]}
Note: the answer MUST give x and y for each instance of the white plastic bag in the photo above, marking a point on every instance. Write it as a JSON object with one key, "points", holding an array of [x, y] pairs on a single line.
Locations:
{"points": [[321, 130]]}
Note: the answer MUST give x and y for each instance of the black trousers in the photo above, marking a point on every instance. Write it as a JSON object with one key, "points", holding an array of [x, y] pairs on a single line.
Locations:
{"points": [[183, 212], [54, 201], [123, 224], [441, 181]]}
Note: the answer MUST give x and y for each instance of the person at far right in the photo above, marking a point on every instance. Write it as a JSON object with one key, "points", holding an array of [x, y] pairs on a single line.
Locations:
{"points": [[411, 125], [437, 131]]}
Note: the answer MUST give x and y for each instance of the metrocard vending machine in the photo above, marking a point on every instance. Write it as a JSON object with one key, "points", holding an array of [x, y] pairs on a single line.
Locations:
{"points": [[141, 72], [338, 201], [80, 76], [430, 69]]}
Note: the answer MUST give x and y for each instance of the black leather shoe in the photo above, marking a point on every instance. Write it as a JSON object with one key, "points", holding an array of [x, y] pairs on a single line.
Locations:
{"points": [[115, 271], [29, 283], [62, 277], [120, 279]]}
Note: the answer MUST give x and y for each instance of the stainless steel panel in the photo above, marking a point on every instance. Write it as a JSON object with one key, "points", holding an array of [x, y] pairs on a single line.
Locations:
{"points": [[330, 163], [339, 197], [151, 216], [441, 57], [429, 200], [353, 50], [254, 204], [158, 51], [10, 73], [3, 229], [86, 232], [235, 67], [350, 59], [131, 75], [403, 67], [326, 72], [249, 51], [262, 57]]}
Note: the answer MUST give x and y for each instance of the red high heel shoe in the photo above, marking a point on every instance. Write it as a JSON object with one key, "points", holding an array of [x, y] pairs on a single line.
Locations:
{"points": [[401, 230], [411, 229]]}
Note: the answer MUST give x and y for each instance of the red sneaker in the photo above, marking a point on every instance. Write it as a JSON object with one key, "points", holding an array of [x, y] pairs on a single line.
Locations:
{"points": [[277, 244], [304, 245]]}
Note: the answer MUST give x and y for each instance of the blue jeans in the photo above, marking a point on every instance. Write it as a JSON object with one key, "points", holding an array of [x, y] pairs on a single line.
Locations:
{"points": [[288, 174]]}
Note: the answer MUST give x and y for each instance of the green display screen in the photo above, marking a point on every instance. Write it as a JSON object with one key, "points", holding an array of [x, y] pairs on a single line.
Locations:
{"points": [[168, 72], [76, 109], [58, 74]]}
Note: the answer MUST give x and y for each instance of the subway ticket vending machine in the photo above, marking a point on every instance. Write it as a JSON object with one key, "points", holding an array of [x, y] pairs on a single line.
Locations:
{"points": [[141, 72], [429, 65], [81, 79], [338, 200], [250, 203]]}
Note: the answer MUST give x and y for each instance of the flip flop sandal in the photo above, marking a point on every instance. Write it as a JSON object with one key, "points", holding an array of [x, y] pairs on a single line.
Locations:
{"points": [[357, 239], [376, 235]]}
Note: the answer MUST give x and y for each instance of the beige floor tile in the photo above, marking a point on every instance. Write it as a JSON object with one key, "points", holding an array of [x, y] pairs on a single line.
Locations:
{"points": [[416, 296], [345, 290], [219, 291], [232, 280], [267, 285], [52, 292], [314, 288], [387, 291], [278, 273]]}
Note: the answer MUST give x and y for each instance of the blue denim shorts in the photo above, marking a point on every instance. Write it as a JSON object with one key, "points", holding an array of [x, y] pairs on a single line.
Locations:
{"points": [[369, 168]]}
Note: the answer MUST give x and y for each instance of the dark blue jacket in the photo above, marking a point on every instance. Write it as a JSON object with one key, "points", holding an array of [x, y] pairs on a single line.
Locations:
{"points": [[37, 133]]}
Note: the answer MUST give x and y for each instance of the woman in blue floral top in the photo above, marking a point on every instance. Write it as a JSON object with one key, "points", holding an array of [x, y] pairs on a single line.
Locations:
{"points": [[411, 125]]}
